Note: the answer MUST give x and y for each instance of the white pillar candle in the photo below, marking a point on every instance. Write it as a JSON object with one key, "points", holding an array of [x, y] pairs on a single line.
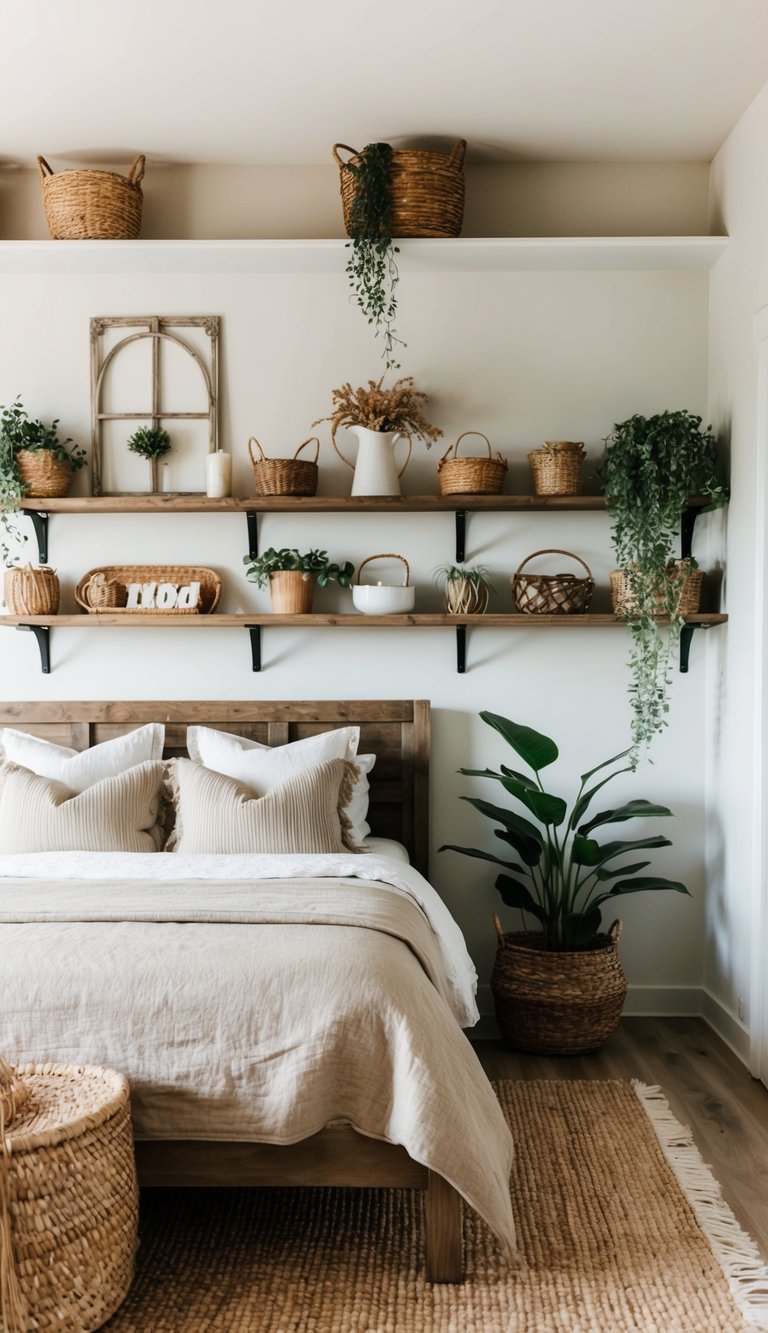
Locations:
{"points": [[219, 474]]}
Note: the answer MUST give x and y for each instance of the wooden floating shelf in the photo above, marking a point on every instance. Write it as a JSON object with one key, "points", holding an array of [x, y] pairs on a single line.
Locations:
{"points": [[385, 504]]}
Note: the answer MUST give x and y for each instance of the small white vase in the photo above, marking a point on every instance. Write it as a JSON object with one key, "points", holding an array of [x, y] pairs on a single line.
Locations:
{"points": [[375, 468]]}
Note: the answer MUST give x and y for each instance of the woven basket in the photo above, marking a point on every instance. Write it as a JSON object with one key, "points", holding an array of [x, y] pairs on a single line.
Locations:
{"points": [[68, 1197], [557, 1003], [31, 591], [463, 597], [556, 467], [92, 205], [552, 594], [471, 476], [427, 190], [290, 593], [43, 475], [624, 601], [92, 584], [284, 476]]}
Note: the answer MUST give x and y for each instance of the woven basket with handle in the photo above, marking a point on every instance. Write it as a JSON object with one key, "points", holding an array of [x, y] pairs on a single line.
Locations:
{"points": [[552, 594], [554, 1002], [471, 476], [284, 476], [88, 205], [93, 594], [68, 1196], [44, 475], [31, 591], [427, 189], [556, 467]]}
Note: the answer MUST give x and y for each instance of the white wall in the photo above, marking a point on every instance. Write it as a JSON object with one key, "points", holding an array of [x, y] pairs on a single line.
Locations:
{"points": [[739, 290], [520, 356]]}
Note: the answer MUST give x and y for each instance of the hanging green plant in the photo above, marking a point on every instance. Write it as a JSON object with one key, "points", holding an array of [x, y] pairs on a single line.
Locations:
{"points": [[372, 267], [652, 466]]}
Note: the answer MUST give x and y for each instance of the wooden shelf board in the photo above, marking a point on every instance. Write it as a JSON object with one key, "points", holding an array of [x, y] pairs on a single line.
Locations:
{"points": [[404, 504], [320, 620]]}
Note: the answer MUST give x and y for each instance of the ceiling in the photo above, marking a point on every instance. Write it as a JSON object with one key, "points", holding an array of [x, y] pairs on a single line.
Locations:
{"points": [[242, 81]]}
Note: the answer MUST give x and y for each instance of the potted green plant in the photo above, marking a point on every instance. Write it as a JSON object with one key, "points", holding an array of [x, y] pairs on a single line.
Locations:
{"points": [[291, 576], [379, 417], [466, 588], [151, 442], [34, 462], [372, 265], [560, 989], [652, 466]]}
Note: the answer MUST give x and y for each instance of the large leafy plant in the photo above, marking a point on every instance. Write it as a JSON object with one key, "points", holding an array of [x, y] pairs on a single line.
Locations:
{"points": [[20, 432], [372, 267], [652, 466], [562, 875], [309, 563]]}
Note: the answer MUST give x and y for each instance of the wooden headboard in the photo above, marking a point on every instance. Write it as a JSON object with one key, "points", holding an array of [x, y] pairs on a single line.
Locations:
{"points": [[396, 731]]}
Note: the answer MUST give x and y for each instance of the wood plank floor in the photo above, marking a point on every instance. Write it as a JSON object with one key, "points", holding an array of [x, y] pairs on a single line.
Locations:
{"points": [[706, 1086]]}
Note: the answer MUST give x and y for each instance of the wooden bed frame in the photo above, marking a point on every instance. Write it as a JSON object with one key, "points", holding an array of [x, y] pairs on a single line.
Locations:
{"points": [[398, 732]]}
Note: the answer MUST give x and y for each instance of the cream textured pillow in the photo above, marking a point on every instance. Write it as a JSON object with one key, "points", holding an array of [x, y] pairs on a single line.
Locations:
{"points": [[305, 815], [79, 769], [39, 815], [263, 767]]}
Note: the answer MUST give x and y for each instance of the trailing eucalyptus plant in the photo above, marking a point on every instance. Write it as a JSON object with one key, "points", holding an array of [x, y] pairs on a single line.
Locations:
{"points": [[372, 267], [310, 564], [562, 875], [652, 466]]}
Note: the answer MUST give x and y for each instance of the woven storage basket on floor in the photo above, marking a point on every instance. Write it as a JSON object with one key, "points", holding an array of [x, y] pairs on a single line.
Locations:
{"points": [[87, 205], [471, 476], [427, 190], [624, 603], [31, 591], [284, 476], [68, 1197], [43, 475], [557, 1003], [552, 594], [556, 467], [210, 588]]}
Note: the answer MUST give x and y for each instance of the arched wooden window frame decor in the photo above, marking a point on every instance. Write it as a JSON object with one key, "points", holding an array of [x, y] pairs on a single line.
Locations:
{"points": [[158, 328]]}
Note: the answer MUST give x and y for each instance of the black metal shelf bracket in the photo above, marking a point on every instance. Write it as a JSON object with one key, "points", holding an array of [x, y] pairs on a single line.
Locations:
{"points": [[40, 524], [461, 649], [687, 525], [461, 535], [255, 635], [686, 636], [252, 519], [42, 634]]}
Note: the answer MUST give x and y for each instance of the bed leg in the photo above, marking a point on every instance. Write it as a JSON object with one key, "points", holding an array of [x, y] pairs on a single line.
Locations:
{"points": [[442, 1231]]}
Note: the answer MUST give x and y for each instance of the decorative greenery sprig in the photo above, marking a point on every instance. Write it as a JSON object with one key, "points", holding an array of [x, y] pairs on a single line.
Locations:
{"points": [[19, 432], [308, 563], [149, 442], [397, 408], [652, 466], [477, 575], [372, 267], [569, 874]]}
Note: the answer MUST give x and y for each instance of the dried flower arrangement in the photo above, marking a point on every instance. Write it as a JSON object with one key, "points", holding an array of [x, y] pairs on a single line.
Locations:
{"points": [[397, 408]]}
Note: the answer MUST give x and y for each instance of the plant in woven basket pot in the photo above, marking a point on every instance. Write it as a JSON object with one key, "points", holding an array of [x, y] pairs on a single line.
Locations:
{"points": [[466, 589], [292, 576], [34, 462], [379, 417], [560, 989], [652, 466]]}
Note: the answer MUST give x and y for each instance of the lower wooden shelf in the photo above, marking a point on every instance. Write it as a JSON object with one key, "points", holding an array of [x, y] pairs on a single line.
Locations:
{"points": [[255, 621]]}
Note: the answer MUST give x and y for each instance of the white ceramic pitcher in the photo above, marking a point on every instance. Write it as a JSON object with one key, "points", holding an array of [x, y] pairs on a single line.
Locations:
{"points": [[375, 469]]}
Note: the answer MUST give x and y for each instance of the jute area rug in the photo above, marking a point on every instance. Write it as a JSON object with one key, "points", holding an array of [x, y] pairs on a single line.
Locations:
{"points": [[620, 1226]]}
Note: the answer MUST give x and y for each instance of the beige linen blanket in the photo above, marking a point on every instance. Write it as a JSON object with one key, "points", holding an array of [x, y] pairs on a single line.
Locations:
{"points": [[259, 1011]]}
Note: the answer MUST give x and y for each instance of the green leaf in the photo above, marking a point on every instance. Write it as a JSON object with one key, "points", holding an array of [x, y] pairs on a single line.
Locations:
{"points": [[535, 749], [509, 819], [481, 856], [586, 798], [547, 809], [603, 874], [521, 777], [585, 851], [527, 848], [621, 755], [609, 850], [632, 810], [645, 884], [581, 927], [515, 894]]}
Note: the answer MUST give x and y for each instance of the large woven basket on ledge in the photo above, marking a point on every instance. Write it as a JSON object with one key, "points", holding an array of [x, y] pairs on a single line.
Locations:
{"points": [[624, 601], [552, 594], [88, 205], [471, 476], [556, 467], [31, 591], [427, 190], [68, 1197], [102, 589], [44, 475]]}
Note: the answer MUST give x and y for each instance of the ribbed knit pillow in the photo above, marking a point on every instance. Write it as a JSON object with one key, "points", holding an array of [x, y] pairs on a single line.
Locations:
{"points": [[305, 814], [115, 815]]}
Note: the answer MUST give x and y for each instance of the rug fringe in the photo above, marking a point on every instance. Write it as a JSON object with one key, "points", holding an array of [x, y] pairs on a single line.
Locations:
{"points": [[735, 1251]]}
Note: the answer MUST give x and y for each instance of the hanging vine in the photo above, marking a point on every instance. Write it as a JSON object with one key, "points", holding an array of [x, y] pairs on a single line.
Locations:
{"points": [[372, 266]]}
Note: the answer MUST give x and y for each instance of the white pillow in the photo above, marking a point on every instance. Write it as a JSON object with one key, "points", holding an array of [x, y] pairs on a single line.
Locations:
{"points": [[263, 767], [78, 770]]}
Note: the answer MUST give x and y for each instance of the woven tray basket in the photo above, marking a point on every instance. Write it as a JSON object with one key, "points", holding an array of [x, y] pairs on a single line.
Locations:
{"points": [[122, 575], [552, 594], [427, 190], [284, 476], [43, 474], [556, 467], [557, 1003], [471, 476], [624, 603], [70, 1201], [31, 591], [92, 205]]}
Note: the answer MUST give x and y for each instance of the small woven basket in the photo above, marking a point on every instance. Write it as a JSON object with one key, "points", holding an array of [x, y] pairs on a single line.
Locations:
{"points": [[284, 476], [427, 190], [101, 593], [87, 205], [471, 476], [556, 467], [625, 603], [552, 594], [31, 591], [43, 475], [68, 1196], [553, 1002], [89, 590], [465, 597]]}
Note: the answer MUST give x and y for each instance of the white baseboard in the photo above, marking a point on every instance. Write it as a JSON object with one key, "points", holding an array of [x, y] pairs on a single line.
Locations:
{"points": [[728, 1027]]}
